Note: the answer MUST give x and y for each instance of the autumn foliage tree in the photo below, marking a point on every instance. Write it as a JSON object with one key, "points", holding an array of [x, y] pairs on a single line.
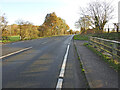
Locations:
{"points": [[27, 30], [53, 25]]}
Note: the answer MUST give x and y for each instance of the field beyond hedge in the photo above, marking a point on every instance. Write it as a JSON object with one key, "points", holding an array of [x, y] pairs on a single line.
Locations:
{"points": [[111, 36], [11, 39]]}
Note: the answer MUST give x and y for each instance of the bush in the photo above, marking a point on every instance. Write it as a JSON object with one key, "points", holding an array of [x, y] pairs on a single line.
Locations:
{"points": [[5, 38]]}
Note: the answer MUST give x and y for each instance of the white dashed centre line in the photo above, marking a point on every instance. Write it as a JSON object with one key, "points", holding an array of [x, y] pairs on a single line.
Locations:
{"points": [[44, 42], [15, 52]]}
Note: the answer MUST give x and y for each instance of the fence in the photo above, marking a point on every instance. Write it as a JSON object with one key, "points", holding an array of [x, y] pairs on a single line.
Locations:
{"points": [[110, 47]]}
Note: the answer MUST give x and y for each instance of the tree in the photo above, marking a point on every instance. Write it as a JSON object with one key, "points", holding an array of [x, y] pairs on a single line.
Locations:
{"points": [[71, 31], [35, 32], [53, 25], [3, 22], [100, 13], [83, 23], [3, 27], [41, 30], [77, 32], [20, 23], [14, 29], [27, 30]]}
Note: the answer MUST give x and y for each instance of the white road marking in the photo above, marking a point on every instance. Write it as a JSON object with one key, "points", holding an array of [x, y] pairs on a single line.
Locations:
{"points": [[14, 43], [60, 80], [15, 52], [59, 84], [18, 42], [64, 63], [44, 42]]}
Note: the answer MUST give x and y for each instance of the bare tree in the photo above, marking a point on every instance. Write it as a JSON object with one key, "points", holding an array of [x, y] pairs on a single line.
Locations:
{"points": [[83, 23], [3, 26], [3, 22], [27, 30], [100, 13], [20, 23]]}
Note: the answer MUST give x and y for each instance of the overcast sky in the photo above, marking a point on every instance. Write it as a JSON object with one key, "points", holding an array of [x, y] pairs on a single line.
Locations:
{"points": [[36, 10]]}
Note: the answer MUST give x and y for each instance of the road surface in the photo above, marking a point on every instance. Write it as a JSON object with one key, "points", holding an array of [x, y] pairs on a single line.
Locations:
{"points": [[40, 65]]}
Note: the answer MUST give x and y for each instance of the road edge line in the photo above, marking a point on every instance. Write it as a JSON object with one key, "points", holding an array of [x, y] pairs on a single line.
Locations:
{"points": [[62, 71], [59, 84]]}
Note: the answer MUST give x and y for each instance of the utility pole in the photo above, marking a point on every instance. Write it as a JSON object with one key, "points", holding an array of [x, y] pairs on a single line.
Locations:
{"points": [[108, 29]]}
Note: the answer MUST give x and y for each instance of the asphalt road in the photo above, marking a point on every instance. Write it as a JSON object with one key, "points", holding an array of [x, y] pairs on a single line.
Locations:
{"points": [[39, 67]]}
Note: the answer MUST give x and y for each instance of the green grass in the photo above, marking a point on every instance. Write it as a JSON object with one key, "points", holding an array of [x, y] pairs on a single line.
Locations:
{"points": [[12, 39], [110, 36], [81, 37]]}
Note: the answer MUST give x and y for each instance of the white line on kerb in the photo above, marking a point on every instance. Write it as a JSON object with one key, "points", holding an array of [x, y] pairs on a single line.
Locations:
{"points": [[60, 80], [15, 52]]}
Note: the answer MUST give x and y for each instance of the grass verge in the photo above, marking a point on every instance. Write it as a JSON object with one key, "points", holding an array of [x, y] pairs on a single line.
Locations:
{"points": [[82, 69], [81, 37], [110, 61], [11, 39]]}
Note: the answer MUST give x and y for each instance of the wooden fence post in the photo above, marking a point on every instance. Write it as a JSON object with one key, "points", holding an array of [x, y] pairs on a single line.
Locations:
{"points": [[113, 50]]}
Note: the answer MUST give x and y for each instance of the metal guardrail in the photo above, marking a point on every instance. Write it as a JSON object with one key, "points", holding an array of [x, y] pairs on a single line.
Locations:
{"points": [[110, 47]]}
